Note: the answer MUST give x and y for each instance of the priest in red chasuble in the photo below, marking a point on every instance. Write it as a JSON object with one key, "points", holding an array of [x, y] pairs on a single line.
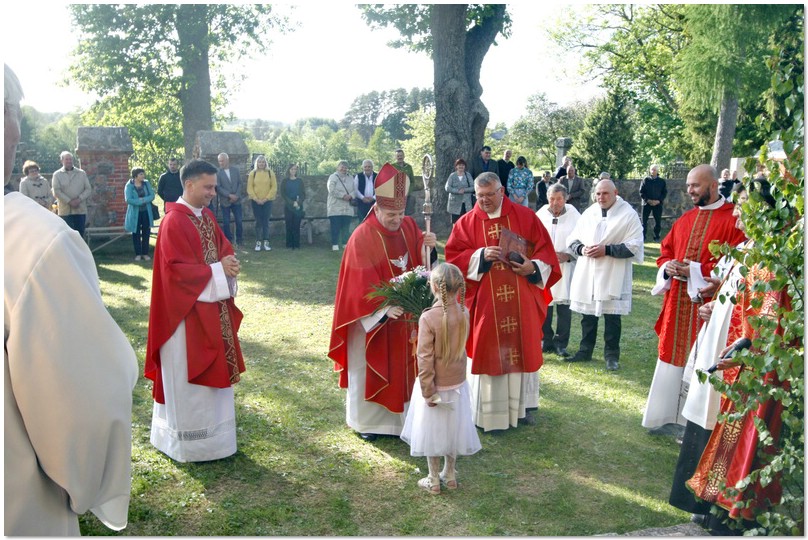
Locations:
{"points": [[373, 348], [507, 302], [684, 263], [193, 354]]}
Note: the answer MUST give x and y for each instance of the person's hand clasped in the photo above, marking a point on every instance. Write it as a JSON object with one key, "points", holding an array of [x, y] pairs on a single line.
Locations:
{"points": [[595, 251], [395, 312], [706, 311], [491, 253], [525, 268], [231, 266]]}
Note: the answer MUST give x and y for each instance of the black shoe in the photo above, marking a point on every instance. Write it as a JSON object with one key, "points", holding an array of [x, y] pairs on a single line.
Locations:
{"points": [[547, 348], [562, 352], [612, 365], [656, 239], [580, 356], [369, 437]]}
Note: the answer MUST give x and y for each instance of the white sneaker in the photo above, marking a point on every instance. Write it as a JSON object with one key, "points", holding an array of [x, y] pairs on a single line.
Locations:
{"points": [[267, 247], [335, 248], [138, 257], [258, 246]]}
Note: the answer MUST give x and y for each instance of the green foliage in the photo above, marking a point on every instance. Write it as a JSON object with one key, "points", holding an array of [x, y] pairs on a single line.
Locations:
{"points": [[535, 133], [144, 116], [45, 136], [412, 21], [386, 109], [133, 58], [632, 47], [606, 142], [420, 136], [380, 148], [778, 238]]}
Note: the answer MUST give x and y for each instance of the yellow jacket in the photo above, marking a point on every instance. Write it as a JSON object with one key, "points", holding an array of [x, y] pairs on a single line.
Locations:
{"points": [[262, 184]]}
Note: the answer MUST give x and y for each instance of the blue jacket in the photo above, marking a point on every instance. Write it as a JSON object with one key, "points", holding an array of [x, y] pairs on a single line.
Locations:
{"points": [[134, 204]]}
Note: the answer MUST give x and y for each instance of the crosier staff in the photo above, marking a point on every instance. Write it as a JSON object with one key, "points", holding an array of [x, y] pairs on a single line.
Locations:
{"points": [[427, 211]]}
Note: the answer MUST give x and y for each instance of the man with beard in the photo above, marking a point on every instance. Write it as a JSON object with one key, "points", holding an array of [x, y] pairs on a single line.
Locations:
{"points": [[684, 263]]}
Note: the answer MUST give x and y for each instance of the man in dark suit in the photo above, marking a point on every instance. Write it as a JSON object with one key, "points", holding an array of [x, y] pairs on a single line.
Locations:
{"points": [[229, 189], [505, 165], [365, 189], [484, 163]]}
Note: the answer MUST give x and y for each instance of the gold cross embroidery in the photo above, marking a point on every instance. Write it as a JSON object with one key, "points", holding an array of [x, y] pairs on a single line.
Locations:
{"points": [[505, 293], [494, 231], [508, 325], [513, 357], [499, 266]]}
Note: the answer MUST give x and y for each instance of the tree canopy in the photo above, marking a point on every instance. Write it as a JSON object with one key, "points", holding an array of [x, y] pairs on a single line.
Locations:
{"points": [[457, 37], [172, 57]]}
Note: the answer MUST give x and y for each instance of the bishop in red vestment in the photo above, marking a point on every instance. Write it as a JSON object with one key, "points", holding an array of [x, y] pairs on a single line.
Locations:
{"points": [[193, 354], [507, 302], [685, 260], [374, 349]]}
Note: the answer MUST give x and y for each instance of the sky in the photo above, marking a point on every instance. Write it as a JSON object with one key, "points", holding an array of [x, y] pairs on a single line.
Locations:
{"points": [[331, 58]]}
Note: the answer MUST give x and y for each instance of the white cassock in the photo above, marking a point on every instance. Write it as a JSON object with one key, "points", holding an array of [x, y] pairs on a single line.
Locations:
{"points": [[68, 380], [559, 232], [703, 401], [499, 401], [362, 415], [196, 423]]}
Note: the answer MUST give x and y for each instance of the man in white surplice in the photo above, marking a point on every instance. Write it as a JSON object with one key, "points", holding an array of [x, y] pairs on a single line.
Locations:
{"points": [[559, 218], [606, 241]]}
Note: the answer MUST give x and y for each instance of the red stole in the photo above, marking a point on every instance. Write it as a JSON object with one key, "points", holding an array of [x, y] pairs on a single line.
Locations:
{"points": [[389, 347], [678, 323], [507, 311], [186, 247]]}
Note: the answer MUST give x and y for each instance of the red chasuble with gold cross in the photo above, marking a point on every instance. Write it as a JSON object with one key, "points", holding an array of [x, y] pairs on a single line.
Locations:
{"points": [[186, 247], [689, 238], [374, 255], [507, 311]]}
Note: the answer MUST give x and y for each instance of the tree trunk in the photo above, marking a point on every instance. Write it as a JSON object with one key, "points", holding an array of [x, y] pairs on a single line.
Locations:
{"points": [[460, 115], [194, 46], [725, 131]]}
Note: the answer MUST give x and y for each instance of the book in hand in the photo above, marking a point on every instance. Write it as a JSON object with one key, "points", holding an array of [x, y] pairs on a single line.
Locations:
{"points": [[514, 248]]}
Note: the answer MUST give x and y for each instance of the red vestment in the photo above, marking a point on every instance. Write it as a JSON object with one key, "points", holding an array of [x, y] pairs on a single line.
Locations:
{"points": [[507, 311], [369, 259], [678, 323], [731, 453], [186, 247]]}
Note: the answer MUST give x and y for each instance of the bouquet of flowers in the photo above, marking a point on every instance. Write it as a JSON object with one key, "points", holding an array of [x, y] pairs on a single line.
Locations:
{"points": [[409, 290]]}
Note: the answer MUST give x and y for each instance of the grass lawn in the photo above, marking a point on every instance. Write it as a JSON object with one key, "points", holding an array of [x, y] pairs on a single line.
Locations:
{"points": [[587, 467]]}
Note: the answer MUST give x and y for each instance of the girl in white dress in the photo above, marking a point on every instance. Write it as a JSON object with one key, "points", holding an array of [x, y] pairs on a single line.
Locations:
{"points": [[440, 424]]}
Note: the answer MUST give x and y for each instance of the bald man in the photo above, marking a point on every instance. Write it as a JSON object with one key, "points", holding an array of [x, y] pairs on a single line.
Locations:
{"points": [[606, 240], [684, 262]]}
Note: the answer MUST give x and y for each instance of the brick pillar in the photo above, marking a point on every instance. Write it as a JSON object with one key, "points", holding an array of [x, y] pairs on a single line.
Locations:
{"points": [[103, 153]]}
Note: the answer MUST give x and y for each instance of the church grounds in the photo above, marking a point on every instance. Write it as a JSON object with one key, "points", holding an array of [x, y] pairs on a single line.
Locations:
{"points": [[585, 467]]}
